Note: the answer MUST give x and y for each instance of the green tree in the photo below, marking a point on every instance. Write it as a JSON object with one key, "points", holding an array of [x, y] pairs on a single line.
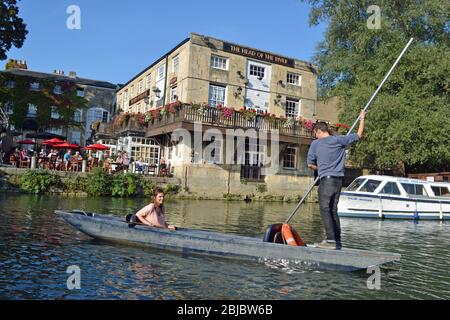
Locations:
{"points": [[409, 121], [12, 28]]}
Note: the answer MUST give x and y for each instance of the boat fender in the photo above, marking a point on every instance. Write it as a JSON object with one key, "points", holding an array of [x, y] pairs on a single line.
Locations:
{"points": [[269, 235], [291, 236]]}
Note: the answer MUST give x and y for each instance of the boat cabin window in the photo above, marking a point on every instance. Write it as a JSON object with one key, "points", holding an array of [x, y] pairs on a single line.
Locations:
{"points": [[440, 191], [390, 188], [370, 185], [414, 189], [355, 184]]}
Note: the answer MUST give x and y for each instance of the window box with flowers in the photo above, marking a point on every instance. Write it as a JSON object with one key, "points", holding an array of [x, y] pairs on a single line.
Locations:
{"points": [[248, 114]]}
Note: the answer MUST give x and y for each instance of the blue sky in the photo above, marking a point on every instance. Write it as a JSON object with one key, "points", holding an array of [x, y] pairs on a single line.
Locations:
{"points": [[118, 39]]}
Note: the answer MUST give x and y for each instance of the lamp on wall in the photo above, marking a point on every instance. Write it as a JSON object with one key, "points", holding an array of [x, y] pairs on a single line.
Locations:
{"points": [[278, 99], [239, 73], [238, 92], [156, 91]]}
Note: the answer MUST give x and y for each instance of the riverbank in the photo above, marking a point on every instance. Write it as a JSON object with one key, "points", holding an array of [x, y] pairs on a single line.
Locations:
{"points": [[98, 183]]}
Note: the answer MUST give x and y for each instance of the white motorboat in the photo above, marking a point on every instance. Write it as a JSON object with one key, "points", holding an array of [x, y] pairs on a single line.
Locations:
{"points": [[375, 196]]}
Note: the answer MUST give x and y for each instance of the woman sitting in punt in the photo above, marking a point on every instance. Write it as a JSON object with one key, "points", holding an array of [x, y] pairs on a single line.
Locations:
{"points": [[154, 213]]}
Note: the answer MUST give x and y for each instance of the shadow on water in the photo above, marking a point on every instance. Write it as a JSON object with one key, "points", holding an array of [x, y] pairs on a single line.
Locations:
{"points": [[36, 248]]}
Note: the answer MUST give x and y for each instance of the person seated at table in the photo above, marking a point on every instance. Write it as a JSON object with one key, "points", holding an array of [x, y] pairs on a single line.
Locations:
{"points": [[163, 167], [107, 164], [78, 156], [42, 156], [140, 165], [24, 154], [154, 213], [126, 160]]}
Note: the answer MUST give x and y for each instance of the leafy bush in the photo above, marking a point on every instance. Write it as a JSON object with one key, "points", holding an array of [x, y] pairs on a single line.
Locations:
{"points": [[262, 187], [98, 183], [76, 184], [38, 181], [171, 189], [148, 187], [124, 185]]}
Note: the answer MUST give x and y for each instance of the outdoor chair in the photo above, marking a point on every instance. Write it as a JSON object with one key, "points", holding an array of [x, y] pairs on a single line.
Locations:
{"points": [[24, 163]]}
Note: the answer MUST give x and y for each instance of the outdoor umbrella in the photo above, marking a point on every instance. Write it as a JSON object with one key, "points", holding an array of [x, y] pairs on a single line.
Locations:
{"points": [[26, 142], [97, 146], [53, 141], [66, 145]]}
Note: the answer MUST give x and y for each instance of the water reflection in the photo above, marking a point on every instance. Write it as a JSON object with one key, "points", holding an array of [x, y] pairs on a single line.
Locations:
{"points": [[36, 248]]}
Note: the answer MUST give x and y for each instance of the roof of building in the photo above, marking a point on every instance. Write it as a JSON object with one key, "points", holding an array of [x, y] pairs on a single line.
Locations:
{"points": [[60, 77], [311, 66]]}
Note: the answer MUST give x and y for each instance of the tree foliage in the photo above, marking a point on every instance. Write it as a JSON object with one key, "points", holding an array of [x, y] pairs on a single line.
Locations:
{"points": [[409, 121], [12, 28]]}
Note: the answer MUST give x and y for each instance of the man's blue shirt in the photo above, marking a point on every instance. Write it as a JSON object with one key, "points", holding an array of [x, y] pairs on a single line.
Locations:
{"points": [[329, 154]]}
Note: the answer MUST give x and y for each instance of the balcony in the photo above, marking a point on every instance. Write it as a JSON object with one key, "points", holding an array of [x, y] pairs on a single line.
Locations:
{"points": [[288, 130]]}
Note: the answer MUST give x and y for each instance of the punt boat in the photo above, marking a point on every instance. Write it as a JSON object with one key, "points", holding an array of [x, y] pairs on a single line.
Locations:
{"points": [[375, 196], [117, 229]]}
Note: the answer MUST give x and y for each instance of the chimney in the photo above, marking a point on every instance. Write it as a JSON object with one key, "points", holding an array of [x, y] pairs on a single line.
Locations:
{"points": [[59, 72], [16, 64], [72, 74]]}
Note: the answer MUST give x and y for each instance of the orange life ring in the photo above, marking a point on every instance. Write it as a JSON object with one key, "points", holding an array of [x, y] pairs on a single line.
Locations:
{"points": [[291, 236]]}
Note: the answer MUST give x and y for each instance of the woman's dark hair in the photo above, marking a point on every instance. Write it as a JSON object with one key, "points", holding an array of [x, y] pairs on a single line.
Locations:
{"points": [[157, 191]]}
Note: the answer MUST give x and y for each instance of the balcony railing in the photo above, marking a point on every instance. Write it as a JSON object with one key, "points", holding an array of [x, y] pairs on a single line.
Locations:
{"points": [[213, 117]]}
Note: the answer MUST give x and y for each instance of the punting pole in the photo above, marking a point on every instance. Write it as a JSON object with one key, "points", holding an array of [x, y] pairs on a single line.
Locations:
{"points": [[354, 124]]}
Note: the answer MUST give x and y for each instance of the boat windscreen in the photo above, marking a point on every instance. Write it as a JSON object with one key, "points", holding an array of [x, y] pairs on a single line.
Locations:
{"points": [[414, 189], [370, 185], [440, 191], [355, 184]]}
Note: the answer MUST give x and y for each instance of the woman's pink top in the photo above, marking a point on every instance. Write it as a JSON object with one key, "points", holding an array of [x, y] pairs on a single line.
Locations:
{"points": [[154, 215]]}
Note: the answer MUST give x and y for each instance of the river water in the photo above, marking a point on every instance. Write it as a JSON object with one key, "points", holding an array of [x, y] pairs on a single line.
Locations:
{"points": [[36, 248]]}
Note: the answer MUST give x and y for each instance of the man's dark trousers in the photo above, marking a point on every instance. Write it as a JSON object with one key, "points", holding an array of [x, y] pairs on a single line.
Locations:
{"points": [[329, 192]]}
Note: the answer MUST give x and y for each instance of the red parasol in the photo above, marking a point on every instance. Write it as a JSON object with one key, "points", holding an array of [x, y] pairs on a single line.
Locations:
{"points": [[26, 142], [66, 145], [53, 141], [97, 146]]}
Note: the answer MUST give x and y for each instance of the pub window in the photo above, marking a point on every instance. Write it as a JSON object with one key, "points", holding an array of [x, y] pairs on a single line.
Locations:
{"points": [[54, 112], [34, 86], [147, 82], [77, 116], [293, 78], [10, 84], [219, 62], [173, 94], [140, 87], [160, 74], [80, 92], [257, 71], [132, 91], [57, 89], [289, 158], [292, 107], [105, 116], [32, 110], [175, 64], [216, 95]]}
